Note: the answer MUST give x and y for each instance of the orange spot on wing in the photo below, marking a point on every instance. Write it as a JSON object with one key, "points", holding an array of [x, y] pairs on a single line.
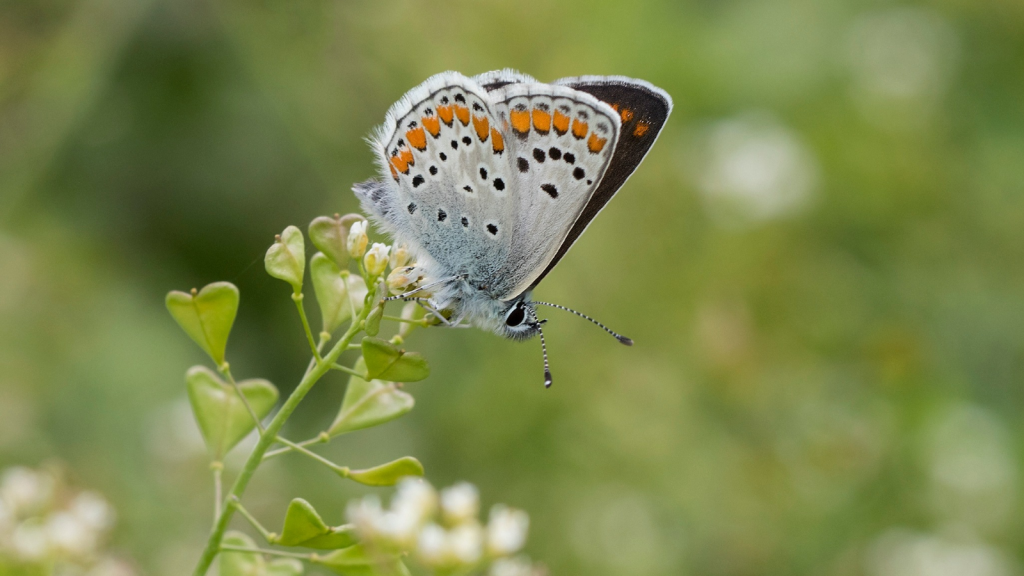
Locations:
{"points": [[641, 128], [417, 138], [432, 124], [462, 113], [541, 121], [579, 129], [615, 107], [561, 123], [626, 114], [481, 125], [595, 144], [401, 164], [445, 112], [497, 141], [406, 155], [520, 121]]}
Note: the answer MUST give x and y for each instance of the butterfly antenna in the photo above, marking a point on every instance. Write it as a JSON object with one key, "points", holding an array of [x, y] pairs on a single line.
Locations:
{"points": [[619, 337], [544, 350]]}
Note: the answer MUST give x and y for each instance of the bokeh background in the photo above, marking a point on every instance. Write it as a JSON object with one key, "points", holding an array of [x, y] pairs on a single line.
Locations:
{"points": [[821, 262]]}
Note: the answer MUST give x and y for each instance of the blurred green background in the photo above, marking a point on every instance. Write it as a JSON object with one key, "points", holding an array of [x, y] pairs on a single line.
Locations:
{"points": [[821, 262]]}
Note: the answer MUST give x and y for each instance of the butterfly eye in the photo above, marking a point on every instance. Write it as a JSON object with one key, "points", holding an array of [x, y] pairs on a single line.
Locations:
{"points": [[516, 316]]}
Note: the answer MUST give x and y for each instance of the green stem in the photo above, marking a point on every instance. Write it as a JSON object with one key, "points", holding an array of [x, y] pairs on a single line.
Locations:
{"points": [[267, 439], [267, 534], [343, 470], [323, 438], [306, 557], [297, 298], [218, 488], [419, 321], [348, 370], [225, 369]]}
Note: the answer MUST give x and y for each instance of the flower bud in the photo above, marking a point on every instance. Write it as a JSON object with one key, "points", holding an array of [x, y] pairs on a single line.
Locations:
{"points": [[465, 543], [404, 279], [506, 530], [432, 545], [376, 260], [357, 239], [400, 256], [460, 503], [415, 498]]}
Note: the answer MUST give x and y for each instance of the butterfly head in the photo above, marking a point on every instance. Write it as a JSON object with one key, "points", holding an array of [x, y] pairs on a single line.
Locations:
{"points": [[519, 321]]}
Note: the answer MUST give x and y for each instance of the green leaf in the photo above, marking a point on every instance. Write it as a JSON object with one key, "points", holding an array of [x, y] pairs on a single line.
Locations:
{"points": [[284, 567], [373, 319], [331, 292], [234, 563], [386, 361], [356, 561], [304, 527], [387, 474], [286, 258], [369, 404], [206, 316], [330, 236], [219, 411]]}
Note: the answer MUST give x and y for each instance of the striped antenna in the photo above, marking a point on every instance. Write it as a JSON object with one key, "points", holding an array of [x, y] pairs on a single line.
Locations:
{"points": [[619, 337]]}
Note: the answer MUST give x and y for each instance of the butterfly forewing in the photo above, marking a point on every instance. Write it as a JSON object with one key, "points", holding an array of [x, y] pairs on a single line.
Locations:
{"points": [[488, 184]]}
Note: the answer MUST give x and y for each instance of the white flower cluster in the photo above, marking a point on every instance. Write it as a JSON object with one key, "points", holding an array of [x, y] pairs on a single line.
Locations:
{"points": [[443, 531], [44, 523]]}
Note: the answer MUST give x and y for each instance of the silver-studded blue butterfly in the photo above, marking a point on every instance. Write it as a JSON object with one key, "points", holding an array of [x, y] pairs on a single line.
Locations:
{"points": [[490, 180]]}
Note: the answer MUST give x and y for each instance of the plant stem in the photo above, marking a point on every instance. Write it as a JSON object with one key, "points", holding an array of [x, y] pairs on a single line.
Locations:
{"points": [[267, 535], [306, 557], [323, 438], [297, 298], [225, 369], [306, 452], [218, 488], [348, 370], [267, 439]]}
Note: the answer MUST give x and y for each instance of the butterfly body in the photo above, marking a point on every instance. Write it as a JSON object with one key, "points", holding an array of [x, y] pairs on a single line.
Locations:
{"points": [[489, 180]]}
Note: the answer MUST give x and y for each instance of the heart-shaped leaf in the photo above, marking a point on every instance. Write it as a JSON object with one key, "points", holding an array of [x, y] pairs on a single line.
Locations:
{"points": [[206, 316], [235, 563], [284, 567], [286, 258], [304, 527], [369, 404], [219, 411], [330, 236], [389, 362], [331, 292], [387, 474], [356, 561]]}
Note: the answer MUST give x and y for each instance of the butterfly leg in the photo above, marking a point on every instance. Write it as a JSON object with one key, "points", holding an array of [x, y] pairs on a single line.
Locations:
{"points": [[425, 304]]}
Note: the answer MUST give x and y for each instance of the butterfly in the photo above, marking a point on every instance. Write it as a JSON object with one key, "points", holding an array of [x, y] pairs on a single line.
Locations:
{"points": [[490, 179]]}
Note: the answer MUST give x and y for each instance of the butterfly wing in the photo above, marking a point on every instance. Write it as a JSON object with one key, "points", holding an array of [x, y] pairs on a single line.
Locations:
{"points": [[643, 109], [489, 184], [560, 143], [446, 176]]}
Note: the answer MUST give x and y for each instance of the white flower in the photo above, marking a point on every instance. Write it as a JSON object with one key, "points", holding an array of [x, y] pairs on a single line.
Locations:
{"points": [[518, 566], [376, 260], [506, 530], [93, 510], [357, 239], [432, 545], [400, 256], [69, 534], [404, 279], [460, 503], [365, 514], [465, 542], [29, 541], [416, 499], [25, 490]]}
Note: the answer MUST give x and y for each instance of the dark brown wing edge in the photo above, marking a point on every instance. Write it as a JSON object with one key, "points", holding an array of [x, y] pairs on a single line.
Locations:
{"points": [[644, 108]]}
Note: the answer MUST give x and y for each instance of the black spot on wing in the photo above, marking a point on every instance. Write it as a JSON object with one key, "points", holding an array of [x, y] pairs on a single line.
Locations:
{"points": [[550, 189], [523, 164], [538, 155]]}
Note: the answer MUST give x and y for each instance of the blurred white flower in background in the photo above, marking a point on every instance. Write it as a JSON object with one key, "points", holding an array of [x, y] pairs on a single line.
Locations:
{"points": [[456, 541], [751, 169], [901, 552], [901, 62], [48, 528], [972, 465]]}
